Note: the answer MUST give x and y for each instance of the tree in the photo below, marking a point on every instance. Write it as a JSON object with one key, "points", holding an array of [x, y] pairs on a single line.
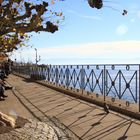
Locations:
{"points": [[96, 3], [9, 42], [19, 17]]}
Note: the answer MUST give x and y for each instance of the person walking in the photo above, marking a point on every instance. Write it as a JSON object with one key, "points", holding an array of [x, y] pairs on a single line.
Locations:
{"points": [[2, 96], [7, 68]]}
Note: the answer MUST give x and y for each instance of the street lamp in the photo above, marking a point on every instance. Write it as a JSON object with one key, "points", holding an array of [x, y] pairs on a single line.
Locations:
{"points": [[36, 57]]}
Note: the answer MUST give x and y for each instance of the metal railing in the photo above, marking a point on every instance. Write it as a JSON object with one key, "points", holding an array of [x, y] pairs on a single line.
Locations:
{"points": [[117, 81]]}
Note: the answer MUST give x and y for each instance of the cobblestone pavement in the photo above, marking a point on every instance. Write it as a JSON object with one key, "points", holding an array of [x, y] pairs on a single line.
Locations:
{"points": [[68, 114], [34, 130]]}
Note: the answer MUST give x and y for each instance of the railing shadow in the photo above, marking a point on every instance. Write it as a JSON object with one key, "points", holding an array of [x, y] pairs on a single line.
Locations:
{"points": [[93, 125], [111, 129], [93, 117]]}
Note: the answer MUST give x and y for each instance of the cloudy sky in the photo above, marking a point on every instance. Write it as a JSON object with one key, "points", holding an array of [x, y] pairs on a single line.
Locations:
{"points": [[89, 35]]}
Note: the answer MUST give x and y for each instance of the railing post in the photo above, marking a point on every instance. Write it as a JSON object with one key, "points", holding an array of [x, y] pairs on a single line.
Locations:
{"points": [[19, 69], [104, 93], [48, 72], [56, 75], [139, 88], [67, 77], [29, 73], [82, 79]]}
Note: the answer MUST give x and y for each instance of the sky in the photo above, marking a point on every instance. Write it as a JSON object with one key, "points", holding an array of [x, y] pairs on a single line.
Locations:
{"points": [[89, 36]]}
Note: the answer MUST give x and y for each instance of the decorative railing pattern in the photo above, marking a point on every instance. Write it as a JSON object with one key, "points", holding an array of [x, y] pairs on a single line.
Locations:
{"points": [[117, 81]]}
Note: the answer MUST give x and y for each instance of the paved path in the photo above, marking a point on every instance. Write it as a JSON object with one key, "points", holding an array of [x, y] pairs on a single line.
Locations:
{"points": [[86, 120], [38, 127]]}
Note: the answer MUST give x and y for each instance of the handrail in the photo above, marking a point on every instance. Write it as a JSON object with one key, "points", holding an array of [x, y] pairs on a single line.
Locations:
{"points": [[119, 81]]}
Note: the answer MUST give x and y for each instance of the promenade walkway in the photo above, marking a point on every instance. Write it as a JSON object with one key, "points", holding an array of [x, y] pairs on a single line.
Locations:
{"points": [[86, 120]]}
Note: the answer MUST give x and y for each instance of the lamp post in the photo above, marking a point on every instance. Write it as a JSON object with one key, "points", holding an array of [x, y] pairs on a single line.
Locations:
{"points": [[15, 62], [36, 57], [20, 57]]}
